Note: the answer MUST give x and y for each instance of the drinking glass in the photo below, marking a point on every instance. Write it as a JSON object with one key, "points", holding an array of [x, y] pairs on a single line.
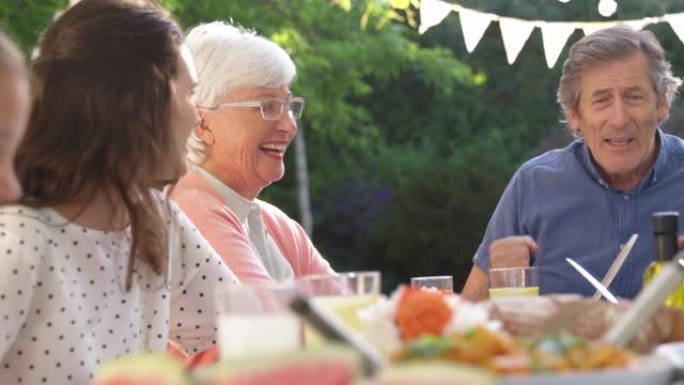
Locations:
{"points": [[513, 281], [255, 320], [443, 283], [344, 294]]}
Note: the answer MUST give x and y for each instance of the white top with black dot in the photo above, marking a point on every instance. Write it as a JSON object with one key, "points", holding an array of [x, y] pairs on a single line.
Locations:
{"points": [[63, 309]]}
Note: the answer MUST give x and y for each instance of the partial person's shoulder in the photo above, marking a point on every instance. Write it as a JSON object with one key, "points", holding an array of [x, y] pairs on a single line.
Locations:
{"points": [[28, 231], [556, 158], [169, 209], [192, 185], [279, 223], [272, 211], [19, 218], [196, 199], [674, 145]]}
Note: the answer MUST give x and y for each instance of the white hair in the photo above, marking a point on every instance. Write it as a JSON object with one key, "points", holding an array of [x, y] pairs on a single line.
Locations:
{"points": [[228, 58]]}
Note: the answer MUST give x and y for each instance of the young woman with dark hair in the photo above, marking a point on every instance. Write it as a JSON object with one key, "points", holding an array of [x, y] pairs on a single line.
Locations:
{"points": [[97, 263]]}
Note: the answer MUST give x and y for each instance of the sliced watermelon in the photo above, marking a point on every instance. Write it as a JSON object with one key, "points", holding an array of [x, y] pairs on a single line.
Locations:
{"points": [[435, 373], [142, 369], [329, 365]]}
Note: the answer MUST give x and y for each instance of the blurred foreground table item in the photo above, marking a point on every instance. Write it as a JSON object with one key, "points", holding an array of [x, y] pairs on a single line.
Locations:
{"points": [[647, 303], [255, 320], [443, 283], [343, 294], [513, 281]]}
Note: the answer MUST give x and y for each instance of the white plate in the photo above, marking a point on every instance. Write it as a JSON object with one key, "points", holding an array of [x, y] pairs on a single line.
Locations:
{"points": [[674, 352], [651, 370]]}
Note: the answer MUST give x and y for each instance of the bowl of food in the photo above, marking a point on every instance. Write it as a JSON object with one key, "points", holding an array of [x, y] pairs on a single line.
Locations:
{"points": [[544, 341]]}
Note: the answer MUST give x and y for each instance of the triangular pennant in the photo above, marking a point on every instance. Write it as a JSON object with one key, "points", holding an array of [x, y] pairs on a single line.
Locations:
{"points": [[677, 24], [591, 27], [639, 24], [473, 24], [432, 12], [554, 36], [514, 33]]}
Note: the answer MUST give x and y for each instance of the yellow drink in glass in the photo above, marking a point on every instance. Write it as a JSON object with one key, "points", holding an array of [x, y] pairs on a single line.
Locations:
{"points": [[346, 308], [501, 292], [513, 281]]}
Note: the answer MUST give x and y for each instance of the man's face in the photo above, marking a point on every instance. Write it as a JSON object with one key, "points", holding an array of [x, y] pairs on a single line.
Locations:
{"points": [[617, 115]]}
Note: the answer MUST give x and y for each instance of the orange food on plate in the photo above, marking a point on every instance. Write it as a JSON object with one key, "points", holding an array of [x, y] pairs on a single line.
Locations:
{"points": [[505, 355], [422, 312]]}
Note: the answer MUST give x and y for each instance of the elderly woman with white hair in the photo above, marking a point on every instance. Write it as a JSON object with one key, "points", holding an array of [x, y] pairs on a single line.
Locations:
{"points": [[248, 120]]}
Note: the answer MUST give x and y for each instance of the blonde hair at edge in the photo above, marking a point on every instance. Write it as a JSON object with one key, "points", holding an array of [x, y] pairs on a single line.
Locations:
{"points": [[228, 58]]}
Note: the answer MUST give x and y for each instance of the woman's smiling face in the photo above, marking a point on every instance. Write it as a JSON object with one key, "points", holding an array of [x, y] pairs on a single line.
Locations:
{"points": [[244, 150]]}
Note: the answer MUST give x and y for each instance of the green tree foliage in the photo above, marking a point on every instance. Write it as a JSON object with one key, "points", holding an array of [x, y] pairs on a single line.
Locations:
{"points": [[381, 109], [410, 139], [23, 20]]}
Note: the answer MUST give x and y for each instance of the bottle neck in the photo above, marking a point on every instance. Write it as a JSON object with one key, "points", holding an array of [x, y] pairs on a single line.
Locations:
{"points": [[665, 246]]}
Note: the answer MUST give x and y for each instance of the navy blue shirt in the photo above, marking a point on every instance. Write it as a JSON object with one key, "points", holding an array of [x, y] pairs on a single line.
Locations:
{"points": [[561, 201]]}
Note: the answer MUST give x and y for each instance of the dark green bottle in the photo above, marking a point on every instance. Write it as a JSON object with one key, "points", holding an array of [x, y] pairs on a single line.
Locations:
{"points": [[665, 232]]}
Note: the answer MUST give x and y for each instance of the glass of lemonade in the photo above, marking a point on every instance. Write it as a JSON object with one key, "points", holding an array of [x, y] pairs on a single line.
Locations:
{"points": [[254, 320], [344, 294], [513, 281]]}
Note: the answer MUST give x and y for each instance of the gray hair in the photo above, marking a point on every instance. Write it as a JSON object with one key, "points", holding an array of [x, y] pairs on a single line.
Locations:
{"points": [[228, 58], [611, 44]]}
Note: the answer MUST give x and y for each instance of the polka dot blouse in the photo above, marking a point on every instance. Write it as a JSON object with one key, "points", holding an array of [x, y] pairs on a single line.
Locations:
{"points": [[63, 307]]}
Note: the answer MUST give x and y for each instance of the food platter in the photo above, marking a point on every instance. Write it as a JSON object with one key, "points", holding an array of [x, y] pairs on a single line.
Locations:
{"points": [[652, 370]]}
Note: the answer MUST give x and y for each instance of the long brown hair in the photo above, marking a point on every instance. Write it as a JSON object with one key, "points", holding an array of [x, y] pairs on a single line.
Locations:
{"points": [[100, 114]]}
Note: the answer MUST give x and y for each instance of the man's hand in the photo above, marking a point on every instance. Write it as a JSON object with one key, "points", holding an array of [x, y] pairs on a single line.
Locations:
{"points": [[513, 251], [504, 252]]}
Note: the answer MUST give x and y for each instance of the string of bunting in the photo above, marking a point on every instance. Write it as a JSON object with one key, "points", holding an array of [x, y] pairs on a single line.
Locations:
{"points": [[515, 32]]}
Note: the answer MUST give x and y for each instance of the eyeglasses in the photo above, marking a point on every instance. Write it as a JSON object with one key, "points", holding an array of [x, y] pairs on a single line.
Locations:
{"points": [[271, 108]]}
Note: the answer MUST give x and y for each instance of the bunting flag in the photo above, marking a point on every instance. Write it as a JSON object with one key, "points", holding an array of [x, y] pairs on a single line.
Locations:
{"points": [[432, 12], [677, 24], [515, 32], [554, 37], [474, 24]]}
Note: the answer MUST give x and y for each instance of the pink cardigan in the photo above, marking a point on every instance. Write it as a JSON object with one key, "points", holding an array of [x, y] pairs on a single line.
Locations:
{"points": [[219, 225]]}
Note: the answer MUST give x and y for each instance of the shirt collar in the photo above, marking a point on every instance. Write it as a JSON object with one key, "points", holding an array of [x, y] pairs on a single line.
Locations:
{"points": [[661, 161], [237, 203], [584, 156]]}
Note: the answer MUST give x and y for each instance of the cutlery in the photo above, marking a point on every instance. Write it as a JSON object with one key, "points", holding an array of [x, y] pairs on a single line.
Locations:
{"points": [[593, 281], [617, 264]]}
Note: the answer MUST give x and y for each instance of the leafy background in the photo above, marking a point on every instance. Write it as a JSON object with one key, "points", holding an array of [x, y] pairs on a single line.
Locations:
{"points": [[410, 139]]}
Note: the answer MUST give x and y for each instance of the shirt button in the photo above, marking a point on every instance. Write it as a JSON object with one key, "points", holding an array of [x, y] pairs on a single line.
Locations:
{"points": [[625, 197]]}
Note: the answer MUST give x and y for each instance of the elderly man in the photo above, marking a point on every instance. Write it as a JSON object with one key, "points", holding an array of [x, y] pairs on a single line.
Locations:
{"points": [[584, 201], [248, 119]]}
